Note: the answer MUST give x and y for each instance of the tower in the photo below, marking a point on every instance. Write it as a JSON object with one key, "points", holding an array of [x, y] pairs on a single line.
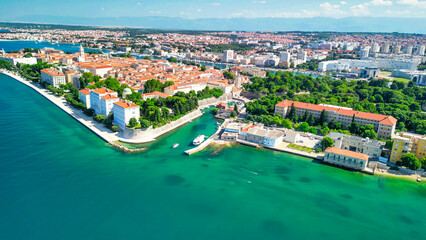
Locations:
{"points": [[81, 57]]}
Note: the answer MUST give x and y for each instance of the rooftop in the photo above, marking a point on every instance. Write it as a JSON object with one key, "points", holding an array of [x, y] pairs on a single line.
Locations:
{"points": [[347, 153]]}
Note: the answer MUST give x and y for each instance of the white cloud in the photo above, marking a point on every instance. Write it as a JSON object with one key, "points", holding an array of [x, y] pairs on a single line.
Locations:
{"points": [[381, 3], [261, 2], [360, 9], [138, 4], [328, 6], [413, 3], [216, 4], [343, 3], [199, 10], [102, 9], [155, 12], [181, 13]]}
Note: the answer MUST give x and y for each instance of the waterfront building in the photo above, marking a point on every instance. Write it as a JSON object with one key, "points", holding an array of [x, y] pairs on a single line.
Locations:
{"points": [[107, 102], [405, 142], [95, 98], [84, 96], [268, 138], [371, 147], [123, 111], [385, 64], [15, 58], [53, 77], [346, 158], [383, 125]]}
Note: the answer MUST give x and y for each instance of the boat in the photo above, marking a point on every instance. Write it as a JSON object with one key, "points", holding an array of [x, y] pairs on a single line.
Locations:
{"points": [[198, 140], [419, 179], [175, 145]]}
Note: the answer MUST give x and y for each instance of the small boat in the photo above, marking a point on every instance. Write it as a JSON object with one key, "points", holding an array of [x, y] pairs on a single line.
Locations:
{"points": [[198, 140], [175, 145], [419, 179]]}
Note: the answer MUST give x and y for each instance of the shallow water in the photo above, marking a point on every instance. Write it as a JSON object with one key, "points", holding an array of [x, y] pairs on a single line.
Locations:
{"points": [[60, 181]]}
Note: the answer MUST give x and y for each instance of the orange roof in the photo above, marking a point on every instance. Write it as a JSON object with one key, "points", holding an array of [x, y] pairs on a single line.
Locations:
{"points": [[109, 96], [161, 94], [103, 91], [383, 119], [125, 104], [347, 153], [85, 91], [52, 72]]}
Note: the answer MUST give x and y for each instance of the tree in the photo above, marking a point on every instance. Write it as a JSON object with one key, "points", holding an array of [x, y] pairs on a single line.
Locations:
{"points": [[133, 122], [203, 68], [325, 131], [327, 142], [423, 161], [115, 128], [144, 123], [370, 134], [228, 75], [304, 127], [410, 161], [287, 123], [292, 114], [99, 118]]}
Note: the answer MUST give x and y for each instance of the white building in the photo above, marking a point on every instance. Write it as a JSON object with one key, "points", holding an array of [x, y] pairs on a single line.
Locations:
{"points": [[285, 56], [81, 57], [420, 50], [375, 48], [107, 103], [96, 69], [385, 48], [383, 64], [15, 58], [346, 158], [302, 55], [95, 98], [408, 49], [185, 87], [84, 96], [124, 111], [53, 77], [228, 55]]}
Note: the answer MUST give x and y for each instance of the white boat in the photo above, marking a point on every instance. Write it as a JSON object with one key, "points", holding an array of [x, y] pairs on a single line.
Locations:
{"points": [[198, 140], [175, 145]]}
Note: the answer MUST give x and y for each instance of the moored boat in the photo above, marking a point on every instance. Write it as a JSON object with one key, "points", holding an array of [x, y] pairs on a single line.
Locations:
{"points": [[198, 140], [175, 145]]}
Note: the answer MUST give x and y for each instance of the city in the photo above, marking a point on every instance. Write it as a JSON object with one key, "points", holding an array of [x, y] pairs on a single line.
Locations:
{"points": [[253, 119]]}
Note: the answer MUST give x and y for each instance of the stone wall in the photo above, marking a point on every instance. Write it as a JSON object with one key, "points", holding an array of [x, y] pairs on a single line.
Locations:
{"points": [[213, 101]]}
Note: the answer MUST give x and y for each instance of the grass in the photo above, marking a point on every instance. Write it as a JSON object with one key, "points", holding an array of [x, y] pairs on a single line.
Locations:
{"points": [[301, 148], [401, 80]]}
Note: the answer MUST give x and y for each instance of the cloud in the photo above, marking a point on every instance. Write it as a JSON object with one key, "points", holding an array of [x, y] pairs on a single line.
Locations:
{"points": [[329, 9], [102, 8], [413, 3], [199, 10], [261, 2], [216, 4], [155, 12], [343, 3], [138, 4], [181, 13], [363, 8], [381, 3]]}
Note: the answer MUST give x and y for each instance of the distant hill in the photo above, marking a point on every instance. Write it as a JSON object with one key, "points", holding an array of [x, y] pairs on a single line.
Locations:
{"points": [[349, 24]]}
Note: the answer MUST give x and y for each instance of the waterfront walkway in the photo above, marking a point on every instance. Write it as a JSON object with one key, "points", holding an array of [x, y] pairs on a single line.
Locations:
{"points": [[99, 129]]}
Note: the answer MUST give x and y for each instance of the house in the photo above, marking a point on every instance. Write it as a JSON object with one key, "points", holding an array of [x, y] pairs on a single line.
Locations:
{"points": [[53, 77], [155, 95], [107, 102], [346, 158], [124, 111], [371, 147], [291, 136], [84, 96], [95, 98]]}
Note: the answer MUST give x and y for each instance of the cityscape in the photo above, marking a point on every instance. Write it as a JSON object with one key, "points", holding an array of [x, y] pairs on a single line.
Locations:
{"points": [[213, 134]]}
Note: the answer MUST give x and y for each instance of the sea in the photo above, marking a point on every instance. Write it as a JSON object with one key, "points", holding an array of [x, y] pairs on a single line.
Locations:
{"points": [[18, 45], [61, 181]]}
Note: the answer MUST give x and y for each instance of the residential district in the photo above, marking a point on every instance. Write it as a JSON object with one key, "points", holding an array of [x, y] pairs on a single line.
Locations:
{"points": [[151, 81]]}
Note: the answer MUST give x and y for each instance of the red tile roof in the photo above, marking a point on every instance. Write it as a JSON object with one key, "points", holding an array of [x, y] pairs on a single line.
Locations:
{"points": [[109, 96], [103, 91], [125, 104], [347, 153], [85, 91], [383, 119], [52, 72], [161, 94]]}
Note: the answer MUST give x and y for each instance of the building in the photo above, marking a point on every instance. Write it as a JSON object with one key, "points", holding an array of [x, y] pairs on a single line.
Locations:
{"points": [[268, 138], [396, 49], [84, 96], [95, 98], [155, 94], [372, 148], [285, 56], [228, 55], [383, 125], [405, 142], [375, 48], [81, 57], [346, 158], [124, 111], [408, 49], [385, 48], [302, 55], [383, 64], [420, 50], [53, 77], [96, 69], [369, 73], [107, 103], [15, 58], [185, 87], [364, 52]]}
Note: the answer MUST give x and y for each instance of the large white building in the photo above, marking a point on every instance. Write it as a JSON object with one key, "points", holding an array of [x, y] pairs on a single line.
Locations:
{"points": [[16, 58], [228, 55], [383, 64], [420, 50], [95, 98], [346, 158], [285, 56], [96, 69], [107, 103], [53, 77], [302, 55], [84, 96], [124, 111]]}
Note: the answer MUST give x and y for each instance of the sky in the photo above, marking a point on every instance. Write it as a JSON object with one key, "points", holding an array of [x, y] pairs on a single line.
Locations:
{"points": [[11, 9]]}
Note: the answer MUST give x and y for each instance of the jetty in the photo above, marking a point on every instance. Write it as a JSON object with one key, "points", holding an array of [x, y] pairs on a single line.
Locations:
{"points": [[207, 142]]}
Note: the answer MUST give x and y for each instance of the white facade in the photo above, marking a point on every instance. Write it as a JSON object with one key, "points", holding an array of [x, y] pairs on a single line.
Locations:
{"points": [[84, 96], [385, 64], [302, 55], [95, 98], [346, 158], [52, 77], [21, 60], [228, 55], [285, 56], [124, 111], [107, 103]]}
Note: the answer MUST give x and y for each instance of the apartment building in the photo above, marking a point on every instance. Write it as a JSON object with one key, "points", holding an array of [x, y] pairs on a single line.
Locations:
{"points": [[84, 96], [107, 103], [96, 96], [124, 111], [346, 158], [372, 148], [53, 77], [383, 125], [405, 142]]}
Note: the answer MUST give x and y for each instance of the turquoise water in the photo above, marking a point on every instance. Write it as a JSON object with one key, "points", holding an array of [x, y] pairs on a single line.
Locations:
{"points": [[60, 181]]}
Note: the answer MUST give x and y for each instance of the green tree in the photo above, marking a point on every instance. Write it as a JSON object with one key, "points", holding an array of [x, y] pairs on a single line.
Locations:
{"points": [[325, 131], [228, 75], [323, 117], [99, 118], [287, 123], [410, 161], [144, 123], [115, 128], [327, 142], [203, 68], [292, 113], [304, 127], [133, 122]]}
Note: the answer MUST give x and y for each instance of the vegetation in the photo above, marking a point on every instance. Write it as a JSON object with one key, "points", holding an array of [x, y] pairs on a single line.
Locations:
{"points": [[400, 101], [326, 142], [236, 47], [115, 128], [301, 148], [153, 85], [208, 93], [410, 161], [228, 75]]}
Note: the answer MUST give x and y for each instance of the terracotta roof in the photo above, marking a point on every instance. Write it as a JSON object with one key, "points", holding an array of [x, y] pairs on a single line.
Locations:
{"points": [[109, 96], [85, 91], [383, 119], [347, 153], [103, 91], [161, 94], [52, 72], [125, 104]]}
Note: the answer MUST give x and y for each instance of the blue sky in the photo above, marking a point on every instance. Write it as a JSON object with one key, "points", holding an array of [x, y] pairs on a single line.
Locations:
{"points": [[11, 9]]}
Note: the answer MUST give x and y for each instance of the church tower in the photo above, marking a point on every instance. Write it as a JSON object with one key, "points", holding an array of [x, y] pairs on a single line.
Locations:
{"points": [[81, 57]]}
